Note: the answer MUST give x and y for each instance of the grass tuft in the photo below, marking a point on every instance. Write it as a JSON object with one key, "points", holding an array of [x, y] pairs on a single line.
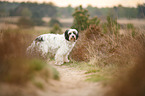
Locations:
{"points": [[92, 71], [39, 85], [95, 78]]}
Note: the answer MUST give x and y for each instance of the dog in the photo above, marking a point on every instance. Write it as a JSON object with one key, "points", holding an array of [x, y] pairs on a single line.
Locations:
{"points": [[59, 45]]}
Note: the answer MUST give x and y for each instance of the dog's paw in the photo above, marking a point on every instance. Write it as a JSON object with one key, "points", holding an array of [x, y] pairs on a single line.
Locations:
{"points": [[58, 63], [66, 61]]}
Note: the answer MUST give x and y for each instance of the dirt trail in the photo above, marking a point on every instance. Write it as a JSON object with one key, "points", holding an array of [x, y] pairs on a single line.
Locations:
{"points": [[72, 84]]}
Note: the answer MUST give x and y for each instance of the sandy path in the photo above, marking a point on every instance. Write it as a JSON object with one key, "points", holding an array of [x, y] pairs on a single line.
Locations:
{"points": [[71, 84]]}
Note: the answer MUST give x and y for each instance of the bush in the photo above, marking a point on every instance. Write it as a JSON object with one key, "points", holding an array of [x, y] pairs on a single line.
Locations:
{"points": [[38, 21], [56, 29], [25, 22], [111, 26], [107, 48], [86, 38], [131, 29], [81, 19], [53, 22]]}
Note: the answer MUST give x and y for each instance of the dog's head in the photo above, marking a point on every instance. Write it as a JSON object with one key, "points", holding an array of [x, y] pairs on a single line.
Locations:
{"points": [[71, 35]]}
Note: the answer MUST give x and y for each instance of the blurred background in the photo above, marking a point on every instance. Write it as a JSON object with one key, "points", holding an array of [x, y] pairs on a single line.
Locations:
{"points": [[110, 48], [42, 14]]}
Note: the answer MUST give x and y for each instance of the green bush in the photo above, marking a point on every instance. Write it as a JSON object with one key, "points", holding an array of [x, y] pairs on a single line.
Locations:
{"points": [[82, 20], [54, 21], [111, 26], [38, 21], [131, 28], [56, 29]]}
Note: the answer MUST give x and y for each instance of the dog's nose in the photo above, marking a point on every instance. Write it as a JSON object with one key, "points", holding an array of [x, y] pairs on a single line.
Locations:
{"points": [[72, 36]]}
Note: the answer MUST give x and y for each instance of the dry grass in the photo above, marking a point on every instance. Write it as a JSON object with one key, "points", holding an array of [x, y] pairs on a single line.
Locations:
{"points": [[95, 44], [109, 52], [131, 79], [15, 66]]}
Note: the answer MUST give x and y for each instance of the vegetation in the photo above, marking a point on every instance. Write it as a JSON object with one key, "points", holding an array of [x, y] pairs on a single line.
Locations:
{"points": [[48, 9], [103, 50], [25, 22], [81, 19], [56, 29], [16, 67], [53, 22]]}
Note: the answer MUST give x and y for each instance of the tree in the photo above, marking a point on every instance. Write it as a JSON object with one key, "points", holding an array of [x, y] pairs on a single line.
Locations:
{"points": [[81, 19], [54, 21], [26, 12], [141, 11]]}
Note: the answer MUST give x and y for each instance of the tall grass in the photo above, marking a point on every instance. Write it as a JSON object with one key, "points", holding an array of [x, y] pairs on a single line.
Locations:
{"points": [[131, 79], [15, 66], [111, 51], [94, 44]]}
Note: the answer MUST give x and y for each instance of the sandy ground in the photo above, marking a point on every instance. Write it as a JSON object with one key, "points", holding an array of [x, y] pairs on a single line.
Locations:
{"points": [[72, 83]]}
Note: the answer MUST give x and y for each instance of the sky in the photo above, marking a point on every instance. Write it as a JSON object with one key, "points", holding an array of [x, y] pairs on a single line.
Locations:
{"points": [[85, 3]]}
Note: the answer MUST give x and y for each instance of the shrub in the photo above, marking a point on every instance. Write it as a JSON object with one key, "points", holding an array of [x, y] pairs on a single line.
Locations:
{"points": [[111, 26], [81, 19], [105, 48], [53, 22], [131, 29], [56, 29], [25, 22], [38, 21], [80, 52]]}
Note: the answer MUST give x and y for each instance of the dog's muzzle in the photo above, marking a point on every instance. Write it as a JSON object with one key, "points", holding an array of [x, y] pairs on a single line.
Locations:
{"points": [[72, 38]]}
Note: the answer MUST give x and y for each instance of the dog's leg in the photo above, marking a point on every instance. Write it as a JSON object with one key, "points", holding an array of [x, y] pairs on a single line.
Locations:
{"points": [[43, 49], [66, 58], [59, 57]]}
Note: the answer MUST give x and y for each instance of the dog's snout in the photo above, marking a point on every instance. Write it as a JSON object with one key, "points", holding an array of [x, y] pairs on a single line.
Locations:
{"points": [[72, 36]]}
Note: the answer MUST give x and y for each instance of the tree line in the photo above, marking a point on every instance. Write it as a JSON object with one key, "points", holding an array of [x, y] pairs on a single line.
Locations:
{"points": [[36, 10]]}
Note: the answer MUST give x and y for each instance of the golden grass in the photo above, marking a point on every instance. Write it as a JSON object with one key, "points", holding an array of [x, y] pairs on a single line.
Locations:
{"points": [[15, 66], [131, 80], [108, 53]]}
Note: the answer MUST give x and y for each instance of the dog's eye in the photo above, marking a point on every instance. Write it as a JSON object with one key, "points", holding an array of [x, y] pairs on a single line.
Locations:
{"points": [[69, 33], [74, 32]]}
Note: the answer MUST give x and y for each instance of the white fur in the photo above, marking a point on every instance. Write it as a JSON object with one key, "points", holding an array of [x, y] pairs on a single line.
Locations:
{"points": [[55, 44]]}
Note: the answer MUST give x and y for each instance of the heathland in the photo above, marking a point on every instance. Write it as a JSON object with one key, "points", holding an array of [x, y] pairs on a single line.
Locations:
{"points": [[107, 60]]}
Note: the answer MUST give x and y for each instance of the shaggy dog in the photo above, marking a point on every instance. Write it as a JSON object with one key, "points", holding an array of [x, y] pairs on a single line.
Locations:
{"points": [[59, 45]]}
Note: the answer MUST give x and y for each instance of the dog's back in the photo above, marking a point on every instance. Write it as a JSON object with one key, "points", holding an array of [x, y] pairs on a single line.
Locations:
{"points": [[46, 43]]}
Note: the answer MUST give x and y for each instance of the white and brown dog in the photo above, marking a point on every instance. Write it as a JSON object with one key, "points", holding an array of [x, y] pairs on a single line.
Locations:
{"points": [[59, 45]]}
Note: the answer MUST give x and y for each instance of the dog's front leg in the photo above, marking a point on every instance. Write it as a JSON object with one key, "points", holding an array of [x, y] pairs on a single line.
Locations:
{"points": [[66, 58], [59, 57]]}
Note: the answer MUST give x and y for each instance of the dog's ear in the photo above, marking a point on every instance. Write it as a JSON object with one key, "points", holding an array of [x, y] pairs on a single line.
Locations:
{"points": [[39, 38], [77, 36], [66, 35]]}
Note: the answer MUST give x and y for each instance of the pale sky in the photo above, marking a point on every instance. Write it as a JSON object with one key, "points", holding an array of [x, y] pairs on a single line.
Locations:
{"points": [[85, 3]]}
